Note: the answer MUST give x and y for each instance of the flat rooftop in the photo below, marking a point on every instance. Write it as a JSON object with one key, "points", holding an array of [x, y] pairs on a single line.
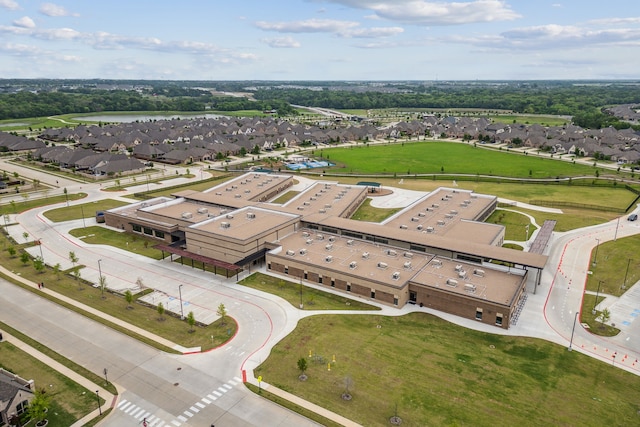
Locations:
{"points": [[471, 280], [325, 198], [245, 224]]}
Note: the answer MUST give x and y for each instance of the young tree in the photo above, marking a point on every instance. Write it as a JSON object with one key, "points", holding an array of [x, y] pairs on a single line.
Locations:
{"points": [[103, 284], [222, 312], [12, 251], [24, 258], [191, 320], [38, 264], [73, 258], [26, 236], [161, 310], [302, 367], [604, 317], [77, 275], [38, 407], [56, 270], [128, 297]]}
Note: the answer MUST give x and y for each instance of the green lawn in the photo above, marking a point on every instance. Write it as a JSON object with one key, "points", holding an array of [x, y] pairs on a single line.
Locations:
{"points": [[529, 119], [446, 157], [366, 212], [134, 243], [440, 374], [88, 210], [286, 197], [312, 299], [69, 400], [615, 260], [514, 223], [25, 205]]}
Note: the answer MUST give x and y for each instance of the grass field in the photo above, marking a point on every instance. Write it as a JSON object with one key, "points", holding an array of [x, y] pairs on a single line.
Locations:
{"points": [[88, 210], [440, 374], [446, 157], [18, 207], [312, 299], [366, 212], [136, 244]]}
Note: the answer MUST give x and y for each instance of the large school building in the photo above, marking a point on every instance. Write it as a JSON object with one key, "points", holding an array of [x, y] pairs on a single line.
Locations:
{"points": [[436, 253]]}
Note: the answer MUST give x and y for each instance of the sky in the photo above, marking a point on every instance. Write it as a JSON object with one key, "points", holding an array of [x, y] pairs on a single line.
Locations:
{"points": [[321, 39]]}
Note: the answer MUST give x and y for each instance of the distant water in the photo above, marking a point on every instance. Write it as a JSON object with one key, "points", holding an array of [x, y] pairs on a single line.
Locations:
{"points": [[130, 118], [13, 124]]}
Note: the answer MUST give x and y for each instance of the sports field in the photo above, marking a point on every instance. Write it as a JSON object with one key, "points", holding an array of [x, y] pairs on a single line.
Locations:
{"points": [[446, 157]]}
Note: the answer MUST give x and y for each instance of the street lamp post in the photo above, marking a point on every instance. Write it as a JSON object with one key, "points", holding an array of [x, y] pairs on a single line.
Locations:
{"points": [[597, 294], [98, 398], [595, 257], [624, 284], [100, 279], [84, 225], [181, 308], [301, 305], [573, 330], [42, 256], [526, 232]]}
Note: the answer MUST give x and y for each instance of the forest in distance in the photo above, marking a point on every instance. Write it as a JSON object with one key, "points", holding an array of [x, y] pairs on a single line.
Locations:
{"points": [[584, 101]]}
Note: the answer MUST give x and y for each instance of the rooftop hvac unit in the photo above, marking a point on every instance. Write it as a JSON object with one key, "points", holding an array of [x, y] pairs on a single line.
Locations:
{"points": [[303, 251], [312, 198], [395, 275], [414, 219], [309, 241], [306, 203], [365, 255], [229, 216], [353, 265], [225, 224], [305, 234], [478, 272], [234, 187], [469, 287], [391, 252], [453, 212], [320, 236], [463, 205], [429, 229], [462, 274], [437, 262], [429, 209], [408, 255], [203, 210], [186, 215], [452, 282], [403, 227], [329, 258], [322, 211], [327, 205], [300, 208], [382, 265], [422, 214], [440, 222], [449, 196], [444, 199], [251, 215], [329, 247], [458, 267], [435, 205], [228, 189], [260, 185], [332, 239], [247, 191], [448, 216], [466, 202], [350, 242], [237, 196], [407, 265], [218, 194], [327, 186], [419, 227], [291, 252]]}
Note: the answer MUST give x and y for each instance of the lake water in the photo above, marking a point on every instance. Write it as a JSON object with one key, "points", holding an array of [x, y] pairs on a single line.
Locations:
{"points": [[129, 118]]}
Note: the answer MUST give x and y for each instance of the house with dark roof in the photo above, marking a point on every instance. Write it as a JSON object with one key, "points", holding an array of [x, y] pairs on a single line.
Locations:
{"points": [[15, 395]]}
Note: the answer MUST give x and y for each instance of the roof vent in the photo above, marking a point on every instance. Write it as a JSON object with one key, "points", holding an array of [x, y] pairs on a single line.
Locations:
{"points": [[452, 282], [382, 265], [225, 224], [291, 252], [395, 275], [303, 251], [365, 255], [329, 258], [251, 215], [353, 265]]}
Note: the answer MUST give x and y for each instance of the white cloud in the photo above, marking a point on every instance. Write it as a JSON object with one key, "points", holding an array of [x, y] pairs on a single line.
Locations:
{"points": [[24, 22], [332, 26], [307, 26], [281, 42], [19, 49], [9, 4], [420, 12], [51, 9]]}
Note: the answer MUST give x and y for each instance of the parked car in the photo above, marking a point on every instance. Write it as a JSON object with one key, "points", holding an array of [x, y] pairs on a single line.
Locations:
{"points": [[632, 217]]}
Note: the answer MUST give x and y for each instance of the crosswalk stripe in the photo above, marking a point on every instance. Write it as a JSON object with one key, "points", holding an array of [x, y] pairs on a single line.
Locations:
{"points": [[176, 423], [211, 397], [131, 408], [199, 405], [123, 407], [217, 393], [207, 401], [181, 418]]}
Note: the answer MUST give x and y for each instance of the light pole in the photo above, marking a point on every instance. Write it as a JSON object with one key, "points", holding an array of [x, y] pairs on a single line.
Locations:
{"points": [[181, 309], [98, 398], [105, 376], [597, 293], [595, 257], [100, 279], [624, 284], [575, 319], [42, 256], [526, 232], [84, 225], [301, 305]]}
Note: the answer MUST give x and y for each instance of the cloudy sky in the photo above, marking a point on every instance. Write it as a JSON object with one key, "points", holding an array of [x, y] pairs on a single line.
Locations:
{"points": [[321, 39]]}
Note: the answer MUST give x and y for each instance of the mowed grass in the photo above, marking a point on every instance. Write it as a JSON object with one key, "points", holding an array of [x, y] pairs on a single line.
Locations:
{"points": [[439, 374], [312, 299], [88, 210], [69, 400], [447, 157], [366, 212], [134, 243], [515, 224]]}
